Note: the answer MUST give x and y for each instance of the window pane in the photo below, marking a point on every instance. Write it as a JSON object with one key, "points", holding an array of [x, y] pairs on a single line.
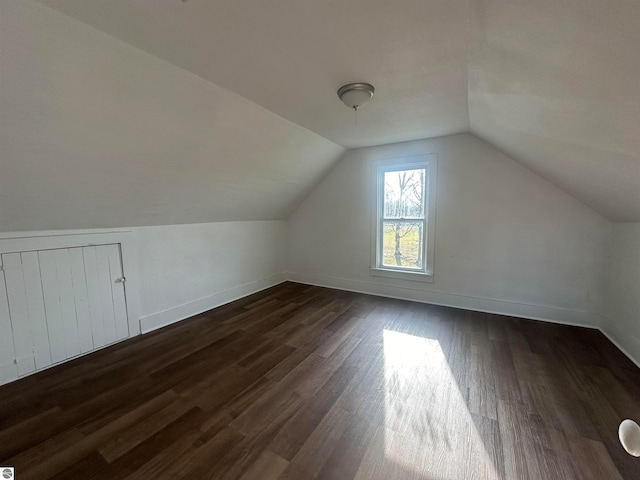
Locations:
{"points": [[403, 193], [402, 244]]}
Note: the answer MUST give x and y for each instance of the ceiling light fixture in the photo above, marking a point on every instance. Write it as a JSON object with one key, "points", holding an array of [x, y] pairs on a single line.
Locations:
{"points": [[355, 95]]}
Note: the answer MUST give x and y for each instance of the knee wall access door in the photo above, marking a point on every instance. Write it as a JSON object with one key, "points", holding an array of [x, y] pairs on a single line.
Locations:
{"points": [[59, 303]]}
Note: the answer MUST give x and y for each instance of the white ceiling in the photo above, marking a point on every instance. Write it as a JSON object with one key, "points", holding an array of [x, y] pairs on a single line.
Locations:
{"points": [[553, 84], [291, 56], [556, 85], [97, 133]]}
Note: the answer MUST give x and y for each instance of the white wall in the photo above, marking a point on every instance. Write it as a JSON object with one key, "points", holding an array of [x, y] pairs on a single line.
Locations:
{"points": [[622, 306], [187, 269], [177, 271], [506, 240]]}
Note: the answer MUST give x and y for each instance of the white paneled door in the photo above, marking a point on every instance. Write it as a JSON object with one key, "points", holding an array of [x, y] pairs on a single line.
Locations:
{"points": [[59, 303]]}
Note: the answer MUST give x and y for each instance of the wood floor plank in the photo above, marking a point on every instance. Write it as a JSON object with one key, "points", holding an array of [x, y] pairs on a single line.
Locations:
{"points": [[300, 382], [32, 431], [349, 449], [139, 432], [315, 451], [162, 443], [77, 451], [90, 468], [302, 424], [41, 452], [268, 466]]}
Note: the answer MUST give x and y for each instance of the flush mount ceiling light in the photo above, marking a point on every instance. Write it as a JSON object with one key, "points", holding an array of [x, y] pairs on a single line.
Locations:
{"points": [[355, 95]]}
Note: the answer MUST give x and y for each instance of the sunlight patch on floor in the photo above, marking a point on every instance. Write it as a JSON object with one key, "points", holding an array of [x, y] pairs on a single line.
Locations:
{"points": [[428, 431]]}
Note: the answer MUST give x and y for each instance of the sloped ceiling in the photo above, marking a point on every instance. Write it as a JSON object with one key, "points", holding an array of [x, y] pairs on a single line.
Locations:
{"points": [[96, 133], [553, 84], [556, 85], [291, 56]]}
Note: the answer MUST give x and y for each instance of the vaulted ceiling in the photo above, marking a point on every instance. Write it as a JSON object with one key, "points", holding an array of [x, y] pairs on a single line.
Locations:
{"points": [[552, 84], [555, 85], [290, 56]]}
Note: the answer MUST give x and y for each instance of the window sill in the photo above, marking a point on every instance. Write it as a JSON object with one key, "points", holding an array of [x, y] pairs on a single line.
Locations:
{"points": [[402, 275]]}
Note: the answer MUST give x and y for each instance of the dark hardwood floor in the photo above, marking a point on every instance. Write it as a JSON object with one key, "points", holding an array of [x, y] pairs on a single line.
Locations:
{"points": [[301, 382]]}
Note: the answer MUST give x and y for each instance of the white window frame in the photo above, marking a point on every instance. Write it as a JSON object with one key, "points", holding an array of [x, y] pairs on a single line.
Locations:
{"points": [[428, 162]]}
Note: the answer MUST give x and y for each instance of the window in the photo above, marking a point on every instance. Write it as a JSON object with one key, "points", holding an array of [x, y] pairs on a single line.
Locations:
{"points": [[404, 220]]}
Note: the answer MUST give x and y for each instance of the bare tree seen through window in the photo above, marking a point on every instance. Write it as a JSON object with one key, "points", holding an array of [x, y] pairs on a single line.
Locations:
{"points": [[403, 217]]}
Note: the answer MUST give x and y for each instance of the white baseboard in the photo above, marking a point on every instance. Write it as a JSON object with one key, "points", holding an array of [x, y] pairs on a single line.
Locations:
{"points": [[167, 317], [521, 310], [632, 343], [488, 305]]}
